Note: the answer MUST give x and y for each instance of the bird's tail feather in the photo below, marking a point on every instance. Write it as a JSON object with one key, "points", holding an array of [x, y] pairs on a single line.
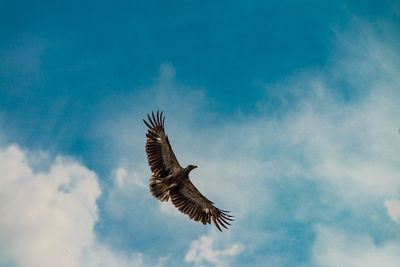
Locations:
{"points": [[159, 189]]}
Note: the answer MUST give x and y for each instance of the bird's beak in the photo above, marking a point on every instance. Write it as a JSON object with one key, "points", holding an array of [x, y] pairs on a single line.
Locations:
{"points": [[194, 167]]}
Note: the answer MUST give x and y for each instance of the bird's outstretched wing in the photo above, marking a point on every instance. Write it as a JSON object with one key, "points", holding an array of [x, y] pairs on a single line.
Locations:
{"points": [[188, 199], [162, 160]]}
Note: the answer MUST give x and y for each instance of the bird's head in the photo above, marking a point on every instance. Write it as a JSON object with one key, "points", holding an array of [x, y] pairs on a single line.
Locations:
{"points": [[191, 167]]}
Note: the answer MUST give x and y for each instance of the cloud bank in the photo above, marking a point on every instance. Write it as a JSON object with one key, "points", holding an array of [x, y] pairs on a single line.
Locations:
{"points": [[48, 216]]}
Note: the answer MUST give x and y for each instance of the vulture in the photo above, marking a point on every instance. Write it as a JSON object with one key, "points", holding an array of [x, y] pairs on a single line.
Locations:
{"points": [[171, 181]]}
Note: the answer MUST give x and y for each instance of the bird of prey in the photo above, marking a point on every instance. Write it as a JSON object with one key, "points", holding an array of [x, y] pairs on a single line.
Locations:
{"points": [[170, 180]]}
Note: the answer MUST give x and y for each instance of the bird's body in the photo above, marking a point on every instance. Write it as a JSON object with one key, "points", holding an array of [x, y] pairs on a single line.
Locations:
{"points": [[160, 187], [171, 181]]}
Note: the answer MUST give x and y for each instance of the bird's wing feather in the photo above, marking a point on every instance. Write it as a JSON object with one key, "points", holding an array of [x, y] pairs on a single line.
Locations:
{"points": [[161, 158], [188, 199]]}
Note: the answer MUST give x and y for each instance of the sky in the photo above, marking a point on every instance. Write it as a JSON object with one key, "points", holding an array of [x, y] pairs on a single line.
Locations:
{"points": [[290, 110]]}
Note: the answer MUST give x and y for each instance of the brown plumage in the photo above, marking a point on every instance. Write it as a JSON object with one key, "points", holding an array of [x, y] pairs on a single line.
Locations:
{"points": [[170, 180]]}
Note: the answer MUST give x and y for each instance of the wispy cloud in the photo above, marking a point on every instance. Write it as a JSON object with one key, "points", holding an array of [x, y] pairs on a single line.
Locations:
{"points": [[327, 156], [335, 247]]}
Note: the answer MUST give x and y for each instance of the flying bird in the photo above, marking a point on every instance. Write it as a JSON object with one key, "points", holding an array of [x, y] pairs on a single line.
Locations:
{"points": [[171, 181]]}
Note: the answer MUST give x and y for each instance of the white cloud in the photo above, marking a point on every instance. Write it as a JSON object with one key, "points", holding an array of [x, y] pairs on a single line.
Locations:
{"points": [[48, 217], [204, 251], [334, 247], [393, 209]]}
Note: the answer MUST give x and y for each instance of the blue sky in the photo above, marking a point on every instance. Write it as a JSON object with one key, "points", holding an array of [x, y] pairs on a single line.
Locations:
{"points": [[290, 110]]}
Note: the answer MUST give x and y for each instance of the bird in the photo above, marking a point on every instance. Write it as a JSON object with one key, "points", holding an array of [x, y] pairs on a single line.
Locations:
{"points": [[170, 181]]}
